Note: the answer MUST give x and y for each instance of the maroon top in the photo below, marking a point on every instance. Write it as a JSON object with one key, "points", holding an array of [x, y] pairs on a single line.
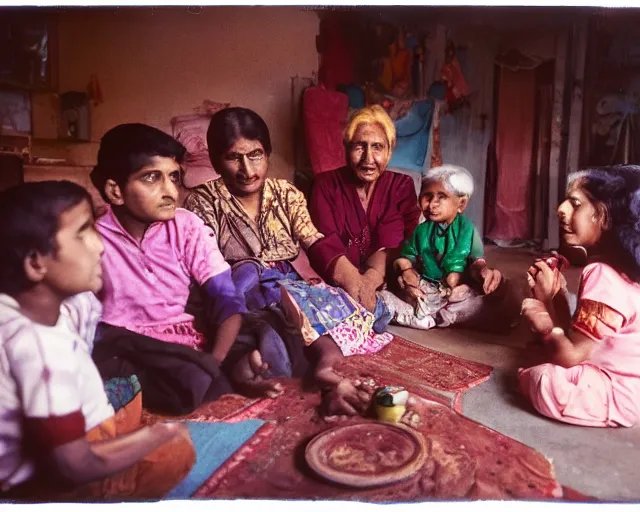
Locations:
{"points": [[337, 212]]}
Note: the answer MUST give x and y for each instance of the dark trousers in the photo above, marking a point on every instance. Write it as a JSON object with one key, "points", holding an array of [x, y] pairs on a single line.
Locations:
{"points": [[176, 379]]}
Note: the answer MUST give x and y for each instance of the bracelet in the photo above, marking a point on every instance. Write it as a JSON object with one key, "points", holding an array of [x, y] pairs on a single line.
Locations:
{"points": [[408, 268]]}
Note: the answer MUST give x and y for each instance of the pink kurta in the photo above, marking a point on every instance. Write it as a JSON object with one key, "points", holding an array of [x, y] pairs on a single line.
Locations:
{"points": [[147, 284], [604, 391]]}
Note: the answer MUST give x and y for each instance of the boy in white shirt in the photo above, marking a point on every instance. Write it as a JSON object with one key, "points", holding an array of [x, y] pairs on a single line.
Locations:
{"points": [[58, 428]]}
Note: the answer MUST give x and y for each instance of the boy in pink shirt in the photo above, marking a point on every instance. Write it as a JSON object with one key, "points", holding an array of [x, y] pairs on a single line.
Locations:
{"points": [[157, 258]]}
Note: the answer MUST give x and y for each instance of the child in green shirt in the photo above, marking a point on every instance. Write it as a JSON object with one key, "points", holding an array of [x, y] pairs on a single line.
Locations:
{"points": [[443, 260]]}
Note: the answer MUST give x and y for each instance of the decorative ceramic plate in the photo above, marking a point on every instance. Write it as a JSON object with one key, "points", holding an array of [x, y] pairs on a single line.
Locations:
{"points": [[367, 454]]}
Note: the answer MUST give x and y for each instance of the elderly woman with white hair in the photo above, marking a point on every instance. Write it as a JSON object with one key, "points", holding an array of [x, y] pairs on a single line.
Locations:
{"points": [[441, 267]]}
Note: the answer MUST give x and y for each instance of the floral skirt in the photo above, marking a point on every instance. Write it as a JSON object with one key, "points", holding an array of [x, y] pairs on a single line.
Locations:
{"points": [[320, 309]]}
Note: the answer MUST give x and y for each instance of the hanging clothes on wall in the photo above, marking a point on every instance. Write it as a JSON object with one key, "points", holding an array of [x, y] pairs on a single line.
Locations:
{"points": [[412, 133], [451, 75], [401, 61], [615, 137], [514, 147], [337, 64], [325, 115], [435, 48]]}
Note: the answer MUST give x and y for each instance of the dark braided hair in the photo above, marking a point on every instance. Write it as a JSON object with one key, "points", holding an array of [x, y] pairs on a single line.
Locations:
{"points": [[615, 192]]}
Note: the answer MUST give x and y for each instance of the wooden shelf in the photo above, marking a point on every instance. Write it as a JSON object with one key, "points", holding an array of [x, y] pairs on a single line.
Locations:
{"points": [[63, 142], [7, 133]]}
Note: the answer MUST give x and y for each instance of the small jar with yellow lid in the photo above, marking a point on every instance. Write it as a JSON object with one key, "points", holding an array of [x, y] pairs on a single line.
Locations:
{"points": [[390, 403]]}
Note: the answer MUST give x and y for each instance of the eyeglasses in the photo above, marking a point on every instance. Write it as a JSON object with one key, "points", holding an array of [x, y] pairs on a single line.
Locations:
{"points": [[375, 147], [253, 156]]}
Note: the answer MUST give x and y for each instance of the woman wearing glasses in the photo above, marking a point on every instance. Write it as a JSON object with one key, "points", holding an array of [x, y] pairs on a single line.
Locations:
{"points": [[264, 231]]}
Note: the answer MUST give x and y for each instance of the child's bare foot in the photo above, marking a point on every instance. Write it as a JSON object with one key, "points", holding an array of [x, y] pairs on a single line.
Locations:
{"points": [[249, 374]]}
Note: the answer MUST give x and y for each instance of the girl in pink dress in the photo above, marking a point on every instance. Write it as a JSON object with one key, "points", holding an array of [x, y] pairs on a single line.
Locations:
{"points": [[592, 373]]}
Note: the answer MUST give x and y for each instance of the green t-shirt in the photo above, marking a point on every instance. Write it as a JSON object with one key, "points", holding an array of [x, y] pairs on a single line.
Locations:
{"points": [[436, 250]]}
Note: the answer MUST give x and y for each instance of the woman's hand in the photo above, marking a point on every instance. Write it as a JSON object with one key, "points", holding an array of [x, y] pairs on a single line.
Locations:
{"points": [[537, 316], [362, 291], [544, 281], [374, 277], [360, 287]]}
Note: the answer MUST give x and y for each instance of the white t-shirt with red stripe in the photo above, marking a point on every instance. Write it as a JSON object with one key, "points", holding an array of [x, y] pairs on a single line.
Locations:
{"points": [[51, 392]]}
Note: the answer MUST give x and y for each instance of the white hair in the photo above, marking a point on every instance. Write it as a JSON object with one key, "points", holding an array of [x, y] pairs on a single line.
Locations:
{"points": [[576, 176], [456, 179]]}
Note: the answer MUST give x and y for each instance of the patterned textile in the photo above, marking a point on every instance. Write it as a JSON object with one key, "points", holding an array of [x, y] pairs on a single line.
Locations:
{"points": [[283, 226], [321, 309], [465, 460], [122, 390], [597, 318], [323, 306], [354, 336]]}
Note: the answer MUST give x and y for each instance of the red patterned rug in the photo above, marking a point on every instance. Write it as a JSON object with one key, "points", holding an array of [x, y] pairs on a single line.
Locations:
{"points": [[420, 366], [419, 369], [466, 460], [402, 362]]}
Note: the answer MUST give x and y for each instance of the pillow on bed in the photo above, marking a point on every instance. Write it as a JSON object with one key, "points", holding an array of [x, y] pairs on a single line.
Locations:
{"points": [[191, 131]]}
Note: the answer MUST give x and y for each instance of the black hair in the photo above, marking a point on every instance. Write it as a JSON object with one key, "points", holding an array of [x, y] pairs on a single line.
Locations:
{"points": [[127, 148], [30, 215], [229, 124], [615, 192]]}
